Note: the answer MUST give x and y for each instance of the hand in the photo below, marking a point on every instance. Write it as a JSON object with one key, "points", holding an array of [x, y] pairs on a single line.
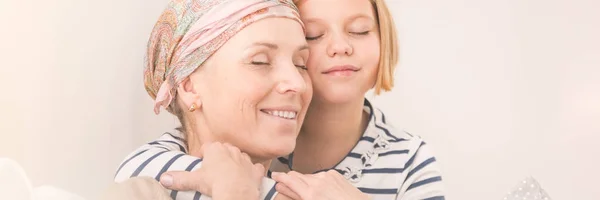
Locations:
{"points": [[225, 171], [321, 186]]}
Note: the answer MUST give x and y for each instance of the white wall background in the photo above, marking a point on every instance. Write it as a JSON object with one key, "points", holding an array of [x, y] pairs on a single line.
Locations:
{"points": [[501, 89]]}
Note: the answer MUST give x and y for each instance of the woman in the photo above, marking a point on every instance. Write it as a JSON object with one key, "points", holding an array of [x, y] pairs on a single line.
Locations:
{"points": [[353, 49], [212, 64]]}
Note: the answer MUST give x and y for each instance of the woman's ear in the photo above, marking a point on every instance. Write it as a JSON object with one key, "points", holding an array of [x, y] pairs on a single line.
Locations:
{"points": [[189, 94]]}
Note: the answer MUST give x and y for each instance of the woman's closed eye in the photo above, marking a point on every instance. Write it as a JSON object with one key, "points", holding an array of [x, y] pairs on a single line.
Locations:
{"points": [[303, 67], [259, 63], [300, 61], [260, 59]]}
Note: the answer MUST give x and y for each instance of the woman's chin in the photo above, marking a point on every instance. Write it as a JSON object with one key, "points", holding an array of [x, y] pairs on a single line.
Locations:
{"points": [[279, 149]]}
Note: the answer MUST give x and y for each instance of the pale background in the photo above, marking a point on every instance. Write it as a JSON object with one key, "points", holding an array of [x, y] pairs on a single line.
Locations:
{"points": [[501, 89]]}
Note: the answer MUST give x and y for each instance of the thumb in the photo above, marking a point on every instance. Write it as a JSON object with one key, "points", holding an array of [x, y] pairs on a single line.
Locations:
{"points": [[185, 181]]}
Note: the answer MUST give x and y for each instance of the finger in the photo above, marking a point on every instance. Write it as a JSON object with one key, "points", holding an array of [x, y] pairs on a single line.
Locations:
{"points": [[306, 179], [246, 157], [319, 175], [223, 150], [285, 190], [293, 182], [260, 168], [334, 174], [233, 151], [185, 181], [204, 149], [337, 177]]}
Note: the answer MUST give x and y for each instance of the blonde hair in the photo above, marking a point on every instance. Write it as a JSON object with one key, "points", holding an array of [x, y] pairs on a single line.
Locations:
{"points": [[388, 58], [388, 45]]}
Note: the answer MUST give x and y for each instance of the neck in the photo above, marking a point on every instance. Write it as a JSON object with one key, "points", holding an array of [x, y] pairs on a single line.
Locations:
{"points": [[326, 124], [332, 122], [195, 140]]}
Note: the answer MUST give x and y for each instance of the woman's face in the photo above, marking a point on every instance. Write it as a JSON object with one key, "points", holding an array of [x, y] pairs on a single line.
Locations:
{"points": [[255, 90], [343, 37]]}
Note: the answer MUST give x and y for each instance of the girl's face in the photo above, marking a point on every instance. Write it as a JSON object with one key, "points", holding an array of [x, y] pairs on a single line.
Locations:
{"points": [[343, 37]]}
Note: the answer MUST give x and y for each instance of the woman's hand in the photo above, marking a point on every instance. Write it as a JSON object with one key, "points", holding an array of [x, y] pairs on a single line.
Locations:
{"points": [[321, 186], [225, 172]]}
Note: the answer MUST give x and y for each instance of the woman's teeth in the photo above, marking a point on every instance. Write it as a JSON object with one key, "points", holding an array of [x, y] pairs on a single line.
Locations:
{"points": [[283, 114]]}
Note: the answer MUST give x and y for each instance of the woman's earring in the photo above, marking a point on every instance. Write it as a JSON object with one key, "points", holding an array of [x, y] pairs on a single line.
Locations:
{"points": [[192, 107]]}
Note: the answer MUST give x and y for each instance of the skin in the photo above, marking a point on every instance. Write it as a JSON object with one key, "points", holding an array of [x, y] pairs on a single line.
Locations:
{"points": [[346, 36], [258, 72], [252, 74]]}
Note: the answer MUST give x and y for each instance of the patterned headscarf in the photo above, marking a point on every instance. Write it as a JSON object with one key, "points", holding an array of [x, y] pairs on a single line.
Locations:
{"points": [[189, 31]]}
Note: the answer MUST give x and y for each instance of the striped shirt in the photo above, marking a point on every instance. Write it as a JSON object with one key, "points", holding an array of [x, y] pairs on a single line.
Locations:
{"points": [[168, 153], [385, 163]]}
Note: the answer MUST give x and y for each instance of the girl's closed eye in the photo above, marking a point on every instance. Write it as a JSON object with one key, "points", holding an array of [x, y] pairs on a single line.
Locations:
{"points": [[361, 33], [309, 38], [361, 27]]}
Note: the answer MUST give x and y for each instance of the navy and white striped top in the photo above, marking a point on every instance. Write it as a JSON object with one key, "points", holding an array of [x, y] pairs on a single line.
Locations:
{"points": [[385, 163]]}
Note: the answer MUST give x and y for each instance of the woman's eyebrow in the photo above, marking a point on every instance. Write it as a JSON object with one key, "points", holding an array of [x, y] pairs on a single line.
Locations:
{"points": [[265, 44]]}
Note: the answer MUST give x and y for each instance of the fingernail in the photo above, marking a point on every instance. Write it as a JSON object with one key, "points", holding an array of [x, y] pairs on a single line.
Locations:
{"points": [[166, 180]]}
